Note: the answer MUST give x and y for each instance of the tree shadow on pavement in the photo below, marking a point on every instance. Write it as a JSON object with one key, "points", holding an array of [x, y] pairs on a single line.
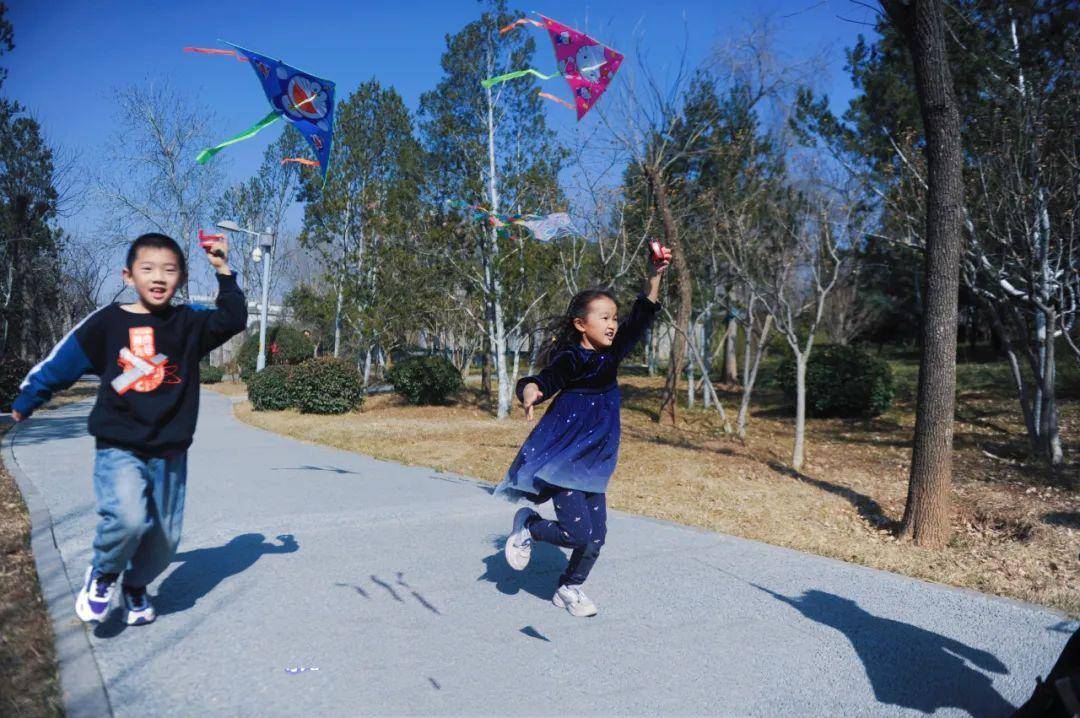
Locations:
{"points": [[41, 429], [906, 665], [538, 579]]}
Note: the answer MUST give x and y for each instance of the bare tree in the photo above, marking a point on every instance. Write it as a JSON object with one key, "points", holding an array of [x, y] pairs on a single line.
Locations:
{"points": [[151, 181], [791, 274], [850, 312]]}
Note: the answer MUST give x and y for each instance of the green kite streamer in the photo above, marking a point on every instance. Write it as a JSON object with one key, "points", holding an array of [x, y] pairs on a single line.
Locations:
{"points": [[516, 74], [270, 119]]}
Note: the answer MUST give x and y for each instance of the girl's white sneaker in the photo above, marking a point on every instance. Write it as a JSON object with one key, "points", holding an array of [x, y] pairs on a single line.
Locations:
{"points": [[574, 600], [518, 549]]}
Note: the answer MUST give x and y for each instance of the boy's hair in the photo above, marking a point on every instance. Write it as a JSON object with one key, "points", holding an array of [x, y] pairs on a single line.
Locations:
{"points": [[154, 240], [561, 331]]}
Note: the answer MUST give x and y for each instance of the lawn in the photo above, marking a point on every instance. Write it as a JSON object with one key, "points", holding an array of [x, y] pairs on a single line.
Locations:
{"points": [[1016, 525]]}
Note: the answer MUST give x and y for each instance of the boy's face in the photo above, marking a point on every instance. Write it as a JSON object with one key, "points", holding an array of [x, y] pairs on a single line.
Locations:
{"points": [[155, 274], [600, 323]]}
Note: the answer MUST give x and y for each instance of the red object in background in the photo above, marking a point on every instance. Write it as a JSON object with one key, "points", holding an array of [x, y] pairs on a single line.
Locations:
{"points": [[658, 251], [273, 349]]}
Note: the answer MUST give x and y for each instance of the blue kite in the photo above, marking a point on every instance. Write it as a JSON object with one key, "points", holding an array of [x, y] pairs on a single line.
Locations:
{"points": [[304, 100]]}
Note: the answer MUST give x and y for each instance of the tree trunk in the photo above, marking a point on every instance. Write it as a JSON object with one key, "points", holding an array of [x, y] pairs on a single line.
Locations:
{"points": [[485, 365], [731, 362], [682, 280], [798, 452], [497, 329], [926, 516], [689, 385], [1050, 438], [751, 366]]}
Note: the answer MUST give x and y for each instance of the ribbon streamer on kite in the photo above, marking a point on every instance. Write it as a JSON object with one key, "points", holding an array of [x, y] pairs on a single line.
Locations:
{"points": [[301, 161], [215, 51], [587, 66], [304, 100], [543, 227]]}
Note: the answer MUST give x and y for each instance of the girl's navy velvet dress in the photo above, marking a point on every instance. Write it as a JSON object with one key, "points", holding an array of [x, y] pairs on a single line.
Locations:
{"points": [[576, 443]]}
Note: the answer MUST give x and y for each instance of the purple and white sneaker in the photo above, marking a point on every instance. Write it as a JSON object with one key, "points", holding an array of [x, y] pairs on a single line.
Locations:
{"points": [[137, 607], [518, 549], [96, 595]]}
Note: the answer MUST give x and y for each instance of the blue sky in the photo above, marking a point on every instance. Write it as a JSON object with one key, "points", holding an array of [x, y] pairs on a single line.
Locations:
{"points": [[69, 54]]}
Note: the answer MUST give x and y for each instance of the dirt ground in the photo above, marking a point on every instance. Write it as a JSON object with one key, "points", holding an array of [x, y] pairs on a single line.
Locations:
{"points": [[1016, 525], [29, 681]]}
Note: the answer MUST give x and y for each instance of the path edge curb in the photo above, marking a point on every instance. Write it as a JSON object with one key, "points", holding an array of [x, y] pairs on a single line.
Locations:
{"points": [[81, 686]]}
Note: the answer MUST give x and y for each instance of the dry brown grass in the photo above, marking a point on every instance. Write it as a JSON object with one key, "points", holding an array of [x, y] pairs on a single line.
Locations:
{"points": [[29, 678], [1017, 527], [228, 388]]}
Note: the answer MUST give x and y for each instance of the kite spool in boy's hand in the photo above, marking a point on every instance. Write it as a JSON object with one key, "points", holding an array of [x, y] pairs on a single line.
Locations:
{"points": [[206, 241], [658, 252]]}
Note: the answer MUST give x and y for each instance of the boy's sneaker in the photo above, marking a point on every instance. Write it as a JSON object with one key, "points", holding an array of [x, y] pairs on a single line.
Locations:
{"points": [[96, 595], [574, 600], [137, 607], [518, 549]]}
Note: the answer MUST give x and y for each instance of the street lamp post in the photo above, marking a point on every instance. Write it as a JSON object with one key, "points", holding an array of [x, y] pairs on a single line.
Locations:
{"points": [[261, 253]]}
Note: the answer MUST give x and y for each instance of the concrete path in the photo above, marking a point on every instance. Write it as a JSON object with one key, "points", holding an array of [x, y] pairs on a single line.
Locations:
{"points": [[390, 581]]}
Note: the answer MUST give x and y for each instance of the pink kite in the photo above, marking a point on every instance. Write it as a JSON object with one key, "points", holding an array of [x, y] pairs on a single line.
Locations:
{"points": [[586, 65]]}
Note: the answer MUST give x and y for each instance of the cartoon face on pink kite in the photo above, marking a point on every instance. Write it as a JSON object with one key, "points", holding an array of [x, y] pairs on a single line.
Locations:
{"points": [[586, 65]]}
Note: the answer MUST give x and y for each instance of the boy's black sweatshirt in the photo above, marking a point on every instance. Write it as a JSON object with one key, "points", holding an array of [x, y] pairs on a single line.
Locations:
{"points": [[153, 407]]}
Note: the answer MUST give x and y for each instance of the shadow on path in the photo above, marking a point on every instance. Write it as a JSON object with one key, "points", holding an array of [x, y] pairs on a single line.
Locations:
{"points": [[204, 568], [909, 666], [538, 579], [41, 429], [200, 573]]}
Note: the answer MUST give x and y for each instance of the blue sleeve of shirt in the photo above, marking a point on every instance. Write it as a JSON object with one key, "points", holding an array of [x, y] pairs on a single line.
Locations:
{"points": [[633, 329], [551, 378], [66, 363]]}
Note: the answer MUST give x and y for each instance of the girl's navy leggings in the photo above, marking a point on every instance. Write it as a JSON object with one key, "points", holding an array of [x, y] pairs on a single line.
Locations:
{"points": [[581, 525]]}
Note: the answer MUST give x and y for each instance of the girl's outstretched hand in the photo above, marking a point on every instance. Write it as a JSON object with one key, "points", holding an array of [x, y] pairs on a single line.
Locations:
{"points": [[530, 395], [657, 265]]}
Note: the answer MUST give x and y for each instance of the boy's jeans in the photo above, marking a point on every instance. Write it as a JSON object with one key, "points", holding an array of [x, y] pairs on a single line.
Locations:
{"points": [[141, 503]]}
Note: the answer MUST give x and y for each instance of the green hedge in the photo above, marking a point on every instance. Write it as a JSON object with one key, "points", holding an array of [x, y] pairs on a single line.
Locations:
{"points": [[269, 389], [426, 379], [326, 386], [12, 371], [284, 345], [210, 374], [841, 381]]}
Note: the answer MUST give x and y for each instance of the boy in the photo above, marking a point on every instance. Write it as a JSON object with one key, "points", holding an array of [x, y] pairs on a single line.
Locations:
{"points": [[147, 354]]}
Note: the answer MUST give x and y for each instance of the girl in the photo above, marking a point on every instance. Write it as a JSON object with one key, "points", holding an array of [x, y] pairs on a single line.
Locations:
{"points": [[570, 455]]}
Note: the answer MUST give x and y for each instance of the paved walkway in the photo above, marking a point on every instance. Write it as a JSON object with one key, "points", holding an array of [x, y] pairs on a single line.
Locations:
{"points": [[390, 581]]}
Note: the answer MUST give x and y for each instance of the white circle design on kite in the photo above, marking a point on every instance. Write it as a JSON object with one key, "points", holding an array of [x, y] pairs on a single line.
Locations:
{"points": [[305, 98]]}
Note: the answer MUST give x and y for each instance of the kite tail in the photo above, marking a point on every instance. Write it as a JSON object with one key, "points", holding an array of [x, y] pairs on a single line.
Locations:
{"points": [[516, 74], [216, 51], [301, 161], [270, 119], [553, 98], [518, 23]]}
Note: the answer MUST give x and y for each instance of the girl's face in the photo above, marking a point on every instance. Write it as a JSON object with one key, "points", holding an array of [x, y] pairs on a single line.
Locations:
{"points": [[599, 324], [155, 275]]}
